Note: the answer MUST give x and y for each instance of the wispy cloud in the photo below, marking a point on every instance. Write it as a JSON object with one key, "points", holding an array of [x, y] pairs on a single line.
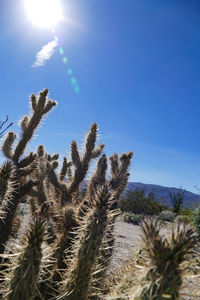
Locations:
{"points": [[45, 54]]}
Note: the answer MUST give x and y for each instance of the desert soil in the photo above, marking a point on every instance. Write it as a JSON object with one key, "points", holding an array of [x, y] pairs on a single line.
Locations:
{"points": [[128, 238]]}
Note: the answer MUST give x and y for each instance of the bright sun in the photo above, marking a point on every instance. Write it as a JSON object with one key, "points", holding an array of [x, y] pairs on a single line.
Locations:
{"points": [[44, 13]]}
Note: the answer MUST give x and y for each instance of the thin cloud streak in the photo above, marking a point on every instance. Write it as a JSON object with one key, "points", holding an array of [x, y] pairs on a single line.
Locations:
{"points": [[45, 54]]}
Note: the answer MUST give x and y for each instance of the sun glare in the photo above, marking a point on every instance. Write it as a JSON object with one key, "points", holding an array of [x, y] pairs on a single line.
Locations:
{"points": [[44, 13]]}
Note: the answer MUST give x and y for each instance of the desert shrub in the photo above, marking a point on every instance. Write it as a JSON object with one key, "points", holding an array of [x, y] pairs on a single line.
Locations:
{"points": [[167, 215], [177, 200], [196, 219], [130, 217], [138, 203], [186, 215], [186, 212], [183, 219]]}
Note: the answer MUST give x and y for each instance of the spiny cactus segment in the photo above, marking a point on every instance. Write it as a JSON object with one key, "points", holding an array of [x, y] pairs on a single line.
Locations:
{"points": [[22, 283], [165, 275]]}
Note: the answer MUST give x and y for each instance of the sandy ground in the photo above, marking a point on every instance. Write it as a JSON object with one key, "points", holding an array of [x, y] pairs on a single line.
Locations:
{"points": [[127, 238]]}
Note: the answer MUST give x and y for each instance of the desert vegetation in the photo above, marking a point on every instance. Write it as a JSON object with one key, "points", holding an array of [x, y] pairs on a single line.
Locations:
{"points": [[135, 205], [177, 201], [138, 202], [62, 246]]}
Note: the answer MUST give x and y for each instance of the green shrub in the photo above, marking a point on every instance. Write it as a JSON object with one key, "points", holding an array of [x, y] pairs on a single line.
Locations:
{"points": [[167, 215], [185, 215], [138, 203], [186, 212], [130, 217], [183, 219]]}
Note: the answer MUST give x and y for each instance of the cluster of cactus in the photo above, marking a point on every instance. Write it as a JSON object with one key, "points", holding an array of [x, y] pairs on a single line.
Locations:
{"points": [[62, 248]]}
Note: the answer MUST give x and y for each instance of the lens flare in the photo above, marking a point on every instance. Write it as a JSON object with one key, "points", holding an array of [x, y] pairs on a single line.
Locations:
{"points": [[65, 60], [56, 38], [69, 71], [73, 80], [61, 51]]}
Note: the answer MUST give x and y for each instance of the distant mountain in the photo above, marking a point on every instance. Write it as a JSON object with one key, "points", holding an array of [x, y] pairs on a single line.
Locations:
{"points": [[162, 192]]}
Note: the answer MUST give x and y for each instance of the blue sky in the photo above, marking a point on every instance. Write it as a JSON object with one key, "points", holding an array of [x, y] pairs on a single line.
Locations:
{"points": [[137, 63]]}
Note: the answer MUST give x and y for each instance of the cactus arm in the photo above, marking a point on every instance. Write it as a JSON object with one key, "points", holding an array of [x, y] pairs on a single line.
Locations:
{"points": [[98, 150], [27, 160], [8, 143], [38, 112], [63, 170], [23, 283], [98, 178], [91, 235], [114, 165], [75, 155]]}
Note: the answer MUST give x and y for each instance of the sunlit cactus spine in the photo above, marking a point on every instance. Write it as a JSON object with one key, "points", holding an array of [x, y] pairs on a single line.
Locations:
{"points": [[8, 208], [7, 171], [23, 278]]}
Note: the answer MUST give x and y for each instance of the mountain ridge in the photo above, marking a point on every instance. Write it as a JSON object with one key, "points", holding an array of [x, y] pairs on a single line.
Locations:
{"points": [[162, 192]]}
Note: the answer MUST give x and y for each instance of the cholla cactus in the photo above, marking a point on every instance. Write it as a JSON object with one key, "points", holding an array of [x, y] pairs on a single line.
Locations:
{"points": [[87, 247], [56, 197], [23, 167], [166, 256], [79, 225]]}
